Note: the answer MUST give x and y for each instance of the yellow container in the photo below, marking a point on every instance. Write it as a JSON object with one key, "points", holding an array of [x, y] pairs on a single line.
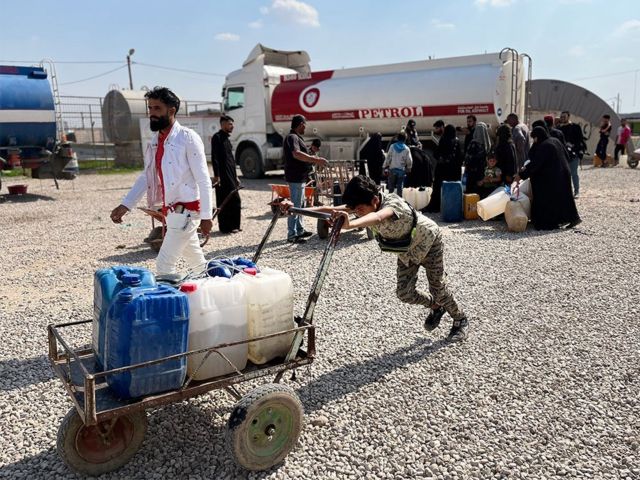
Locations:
{"points": [[470, 202]]}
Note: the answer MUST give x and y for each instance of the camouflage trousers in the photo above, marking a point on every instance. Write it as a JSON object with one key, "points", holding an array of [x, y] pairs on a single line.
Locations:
{"points": [[438, 293]]}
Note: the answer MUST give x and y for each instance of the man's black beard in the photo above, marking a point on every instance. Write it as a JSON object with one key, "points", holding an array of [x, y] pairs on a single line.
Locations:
{"points": [[160, 124]]}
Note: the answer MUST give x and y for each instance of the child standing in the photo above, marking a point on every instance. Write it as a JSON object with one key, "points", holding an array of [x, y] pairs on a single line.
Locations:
{"points": [[397, 164], [315, 147], [416, 240]]}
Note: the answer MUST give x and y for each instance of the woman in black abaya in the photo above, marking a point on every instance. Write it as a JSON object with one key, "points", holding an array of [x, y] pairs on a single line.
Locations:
{"points": [[553, 205], [449, 158]]}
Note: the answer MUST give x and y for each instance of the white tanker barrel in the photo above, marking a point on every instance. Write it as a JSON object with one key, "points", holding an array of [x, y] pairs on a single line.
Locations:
{"points": [[341, 103], [121, 113]]}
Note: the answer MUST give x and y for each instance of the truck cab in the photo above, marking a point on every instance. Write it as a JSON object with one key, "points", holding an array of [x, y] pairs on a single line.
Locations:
{"points": [[247, 99]]}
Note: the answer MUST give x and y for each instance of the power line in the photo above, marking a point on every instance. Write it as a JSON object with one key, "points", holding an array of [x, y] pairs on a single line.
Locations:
{"points": [[607, 75], [179, 69], [95, 76]]}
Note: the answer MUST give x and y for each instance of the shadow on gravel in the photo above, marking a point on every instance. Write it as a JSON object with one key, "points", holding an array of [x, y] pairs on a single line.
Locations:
{"points": [[350, 378], [137, 253], [19, 373], [29, 197], [499, 230], [312, 249], [265, 216], [164, 437]]}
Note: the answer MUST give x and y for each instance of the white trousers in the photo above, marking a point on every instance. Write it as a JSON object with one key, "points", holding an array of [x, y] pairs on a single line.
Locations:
{"points": [[181, 238]]}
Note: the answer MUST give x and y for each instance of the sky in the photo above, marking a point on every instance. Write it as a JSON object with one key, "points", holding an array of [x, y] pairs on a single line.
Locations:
{"points": [[191, 45]]}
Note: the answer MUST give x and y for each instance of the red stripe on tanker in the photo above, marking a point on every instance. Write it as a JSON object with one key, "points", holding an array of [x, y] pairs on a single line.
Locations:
{"points": [[422, 94]]}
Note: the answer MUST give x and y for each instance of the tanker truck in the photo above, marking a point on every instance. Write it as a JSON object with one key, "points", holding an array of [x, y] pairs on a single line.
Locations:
{"points": [[343, 107], [30, 128]]}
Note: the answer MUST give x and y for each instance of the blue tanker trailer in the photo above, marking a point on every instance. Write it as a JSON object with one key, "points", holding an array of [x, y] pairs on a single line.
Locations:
{"points": [[29, 136]]}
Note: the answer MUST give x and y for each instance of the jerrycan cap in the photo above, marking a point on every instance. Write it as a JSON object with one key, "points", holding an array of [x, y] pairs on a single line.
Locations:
{"points": [[131, 279], [250, 271], [188, 287]]}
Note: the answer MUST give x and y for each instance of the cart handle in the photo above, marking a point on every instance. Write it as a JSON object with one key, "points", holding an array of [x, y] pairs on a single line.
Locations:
{"points": [[309, 213]]}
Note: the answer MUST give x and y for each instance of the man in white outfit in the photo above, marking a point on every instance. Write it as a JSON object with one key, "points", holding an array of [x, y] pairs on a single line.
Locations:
{"points": [[175, 177]]}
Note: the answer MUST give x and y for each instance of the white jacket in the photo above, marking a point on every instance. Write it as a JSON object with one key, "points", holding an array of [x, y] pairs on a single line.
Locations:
{"points": [[184, 171]]}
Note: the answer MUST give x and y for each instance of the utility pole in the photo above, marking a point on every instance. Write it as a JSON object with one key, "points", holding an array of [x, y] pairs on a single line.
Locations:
{"points": [[131, 52], [618, 103]]}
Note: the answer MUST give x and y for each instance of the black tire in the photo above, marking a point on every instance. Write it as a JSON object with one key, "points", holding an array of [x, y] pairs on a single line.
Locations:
{"points": [[632, 162], [155, 245], [250, 162], [323, 228], [264, 426], [35, 172], [85, 451]]}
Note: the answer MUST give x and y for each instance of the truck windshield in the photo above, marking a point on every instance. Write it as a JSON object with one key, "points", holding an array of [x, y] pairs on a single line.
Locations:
{"points": [[234, 98]]}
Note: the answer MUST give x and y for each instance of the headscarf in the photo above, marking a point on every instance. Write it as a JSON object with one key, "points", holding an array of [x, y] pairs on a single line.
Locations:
{"points": [[481, 136], [540, 123], [449, 133], [376, 141], [503, 134], [540, 133]]}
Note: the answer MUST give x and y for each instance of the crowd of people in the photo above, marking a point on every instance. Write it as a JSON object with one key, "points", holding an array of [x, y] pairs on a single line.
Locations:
{"points": [[550, 158], [176, 176]]}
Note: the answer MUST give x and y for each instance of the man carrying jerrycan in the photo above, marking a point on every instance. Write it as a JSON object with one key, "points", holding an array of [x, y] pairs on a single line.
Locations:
{"points": [[175, 176]]}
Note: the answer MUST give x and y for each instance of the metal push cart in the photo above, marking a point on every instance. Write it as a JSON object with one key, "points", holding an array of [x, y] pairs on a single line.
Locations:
{"points": [[330, 182], [101, 432], [281, 191]]}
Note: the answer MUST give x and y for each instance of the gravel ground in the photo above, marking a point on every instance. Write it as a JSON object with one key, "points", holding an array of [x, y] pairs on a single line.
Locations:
{"points": [[546, 386]]}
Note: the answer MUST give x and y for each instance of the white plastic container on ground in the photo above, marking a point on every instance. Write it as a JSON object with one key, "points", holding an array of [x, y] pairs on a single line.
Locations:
{"points": [[493, 205]]}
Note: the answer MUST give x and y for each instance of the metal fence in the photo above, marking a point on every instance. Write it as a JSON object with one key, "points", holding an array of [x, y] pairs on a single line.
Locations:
{"points": [[82, 123]]}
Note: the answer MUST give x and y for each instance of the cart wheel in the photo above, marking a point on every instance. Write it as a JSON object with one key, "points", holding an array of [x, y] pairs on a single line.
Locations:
{"points": [[264, 426], [632, 162], [154, 234], [155, 245], [370, 234], [100, 448], [323, 228]]}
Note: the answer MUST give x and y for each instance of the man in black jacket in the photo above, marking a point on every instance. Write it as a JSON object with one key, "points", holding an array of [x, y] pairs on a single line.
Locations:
{"points": [[224, 171], [298, 164], [575, 145]]}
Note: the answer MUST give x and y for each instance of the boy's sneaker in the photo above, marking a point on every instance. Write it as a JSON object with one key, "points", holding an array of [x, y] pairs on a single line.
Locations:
{"points": [[433, 319], [305, 234], [459, 330]]}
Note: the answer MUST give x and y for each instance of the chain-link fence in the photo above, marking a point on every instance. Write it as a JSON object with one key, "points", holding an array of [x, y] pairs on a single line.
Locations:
{"points": [[82, 122]]}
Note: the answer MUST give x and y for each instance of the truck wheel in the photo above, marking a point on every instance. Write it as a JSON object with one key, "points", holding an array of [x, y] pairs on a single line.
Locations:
{"points": [[251, 163], [264, 426], [323, 228], [97, 449]]}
